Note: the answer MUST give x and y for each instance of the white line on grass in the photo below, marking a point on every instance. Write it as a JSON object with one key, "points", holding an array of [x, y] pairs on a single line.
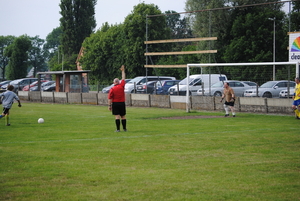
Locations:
{"points": [[128, 137]]}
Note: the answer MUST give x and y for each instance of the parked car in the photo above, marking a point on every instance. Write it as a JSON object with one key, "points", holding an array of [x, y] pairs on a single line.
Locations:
{"points": [[27, 87], [20, 83], [284, 93], [50, 87], [4, 84], [270, 89], [163, 86], [238, 87], [195, 83], [146, 88], [43, 85], [106, 89], [129, 87]]}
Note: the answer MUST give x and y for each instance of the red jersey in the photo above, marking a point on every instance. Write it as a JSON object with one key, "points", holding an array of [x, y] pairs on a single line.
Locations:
{"points": [[116, 93]]}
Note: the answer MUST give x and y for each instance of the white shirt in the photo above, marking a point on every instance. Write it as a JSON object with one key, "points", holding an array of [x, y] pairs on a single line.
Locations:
{"points": [[8, 99]]}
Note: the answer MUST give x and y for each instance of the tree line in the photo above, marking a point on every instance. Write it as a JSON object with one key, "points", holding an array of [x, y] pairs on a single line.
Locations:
{"points": [[245, 34]]}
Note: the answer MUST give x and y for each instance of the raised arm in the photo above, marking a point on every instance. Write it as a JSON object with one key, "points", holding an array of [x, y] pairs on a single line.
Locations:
{"points": [[123, 72]]}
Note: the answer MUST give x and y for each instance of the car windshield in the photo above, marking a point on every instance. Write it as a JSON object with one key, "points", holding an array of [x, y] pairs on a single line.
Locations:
{"points": [[47, 83], [268, 84], [217, 85], [137, 79], [35, 82], [183, 82], [15, 82], [251, 83]]}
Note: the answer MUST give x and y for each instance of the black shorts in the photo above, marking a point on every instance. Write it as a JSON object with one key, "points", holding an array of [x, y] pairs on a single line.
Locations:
{"points": [[118, 108], [5, 110], [229, 103]]}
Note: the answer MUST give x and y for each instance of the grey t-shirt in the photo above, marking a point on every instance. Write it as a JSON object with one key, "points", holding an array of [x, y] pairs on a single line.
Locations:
{"points": [[8, 98]]}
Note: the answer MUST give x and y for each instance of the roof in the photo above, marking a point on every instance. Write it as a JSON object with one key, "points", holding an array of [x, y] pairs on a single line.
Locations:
{"points": [[64, 72]]}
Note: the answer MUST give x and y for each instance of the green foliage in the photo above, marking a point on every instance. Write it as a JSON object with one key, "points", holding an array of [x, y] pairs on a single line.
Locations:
{"points": [[134, 28], [17, 52], [37, 55], [251, 40], [51, 46], [53, 50], [77, 23], [123, 44], [250, 157], [104, 53], [295, 16], [209, 24], [5, 41]]}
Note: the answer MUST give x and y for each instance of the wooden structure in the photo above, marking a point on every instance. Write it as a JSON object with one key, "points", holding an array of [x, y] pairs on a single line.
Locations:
{"points": [[69, 81], [177, 53]]}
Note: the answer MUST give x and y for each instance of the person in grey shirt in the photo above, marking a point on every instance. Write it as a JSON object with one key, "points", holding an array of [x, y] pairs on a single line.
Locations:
{"points": [[8, 98]]}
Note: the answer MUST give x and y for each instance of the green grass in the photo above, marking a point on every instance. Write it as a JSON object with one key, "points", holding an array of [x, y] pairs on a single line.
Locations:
{"points": [[76, 155]]}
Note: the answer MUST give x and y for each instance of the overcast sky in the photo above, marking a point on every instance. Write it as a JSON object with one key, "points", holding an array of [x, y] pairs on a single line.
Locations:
{"points": [[40, 17]]}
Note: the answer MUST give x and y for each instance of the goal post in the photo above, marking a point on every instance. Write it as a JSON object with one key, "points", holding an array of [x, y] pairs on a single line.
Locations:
{"points": [[231, 64]]}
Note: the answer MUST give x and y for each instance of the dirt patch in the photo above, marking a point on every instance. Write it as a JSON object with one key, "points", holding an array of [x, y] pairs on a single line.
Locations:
{"points": [[192, 117]]}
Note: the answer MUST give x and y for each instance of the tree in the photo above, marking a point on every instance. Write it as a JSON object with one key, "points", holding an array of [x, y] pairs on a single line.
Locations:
{"points": [[250, 39], [179, 28], [5, 41], [77, 23], [17, 52], [295, 16], [52, 43], [53, 50], [135, 32], [208, 24], [36, 55], [104, 53], [123, 44]]}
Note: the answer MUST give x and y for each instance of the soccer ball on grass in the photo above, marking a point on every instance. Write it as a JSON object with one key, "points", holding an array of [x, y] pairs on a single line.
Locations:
{"points": [[40, 120]]}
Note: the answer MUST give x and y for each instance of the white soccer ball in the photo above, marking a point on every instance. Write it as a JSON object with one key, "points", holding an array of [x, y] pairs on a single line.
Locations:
{"points": [[40, 120]]}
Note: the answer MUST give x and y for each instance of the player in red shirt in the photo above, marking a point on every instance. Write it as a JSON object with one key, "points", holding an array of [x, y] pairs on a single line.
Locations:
{"points": [[116, 101]]}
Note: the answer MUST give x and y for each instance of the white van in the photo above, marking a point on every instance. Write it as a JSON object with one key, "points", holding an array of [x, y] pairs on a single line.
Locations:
{"points": [[196, 82], [130, 86]]}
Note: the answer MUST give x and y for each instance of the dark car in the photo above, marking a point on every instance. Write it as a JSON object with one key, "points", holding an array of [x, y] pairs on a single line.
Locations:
{"points": [[43, 85], [50, 87], [146, 88], [28, 87], [163, 86], [20, 83], [106, 89]]}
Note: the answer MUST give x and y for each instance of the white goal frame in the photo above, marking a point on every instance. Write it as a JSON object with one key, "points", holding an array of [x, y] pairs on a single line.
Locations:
{"points": [[230, 64]]}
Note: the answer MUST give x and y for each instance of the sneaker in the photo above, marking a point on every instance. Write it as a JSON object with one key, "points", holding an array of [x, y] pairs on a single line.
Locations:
{"points": [[125, 130], [7, 124], [226, 115], [233, 115], [117, 130]]}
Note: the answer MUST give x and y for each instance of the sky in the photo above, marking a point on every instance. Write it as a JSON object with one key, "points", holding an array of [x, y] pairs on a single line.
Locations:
{"points": [[40, 17]]}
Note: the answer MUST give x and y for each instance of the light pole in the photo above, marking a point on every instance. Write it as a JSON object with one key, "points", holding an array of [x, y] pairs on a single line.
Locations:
{"points": [[273, 46], [274, 51]]}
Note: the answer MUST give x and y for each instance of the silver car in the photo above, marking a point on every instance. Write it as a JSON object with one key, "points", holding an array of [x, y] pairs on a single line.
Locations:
{"points": [[270, 89], [284, 93], [217, 89]]}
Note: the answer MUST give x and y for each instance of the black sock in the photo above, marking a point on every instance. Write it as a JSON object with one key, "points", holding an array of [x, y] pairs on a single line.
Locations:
{"points": [[118, 124], [124, 123]]}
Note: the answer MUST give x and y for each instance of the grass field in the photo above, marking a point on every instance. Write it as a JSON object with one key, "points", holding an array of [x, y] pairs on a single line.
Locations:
{"points": [[76, 155]]}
